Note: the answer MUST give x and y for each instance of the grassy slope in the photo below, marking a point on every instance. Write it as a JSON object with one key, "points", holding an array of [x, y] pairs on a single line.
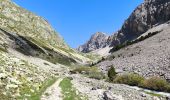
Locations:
{"points": [[20, 79]]}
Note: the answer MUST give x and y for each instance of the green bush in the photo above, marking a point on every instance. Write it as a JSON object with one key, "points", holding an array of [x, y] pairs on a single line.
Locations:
{"points": [[111, 73], [97, 75], [82, 69], [91, 72], [168, 88], [130, 79], [156, 83]]}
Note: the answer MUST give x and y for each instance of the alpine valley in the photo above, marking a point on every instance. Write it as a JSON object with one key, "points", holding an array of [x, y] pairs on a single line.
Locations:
{"points": [[131, 64]]}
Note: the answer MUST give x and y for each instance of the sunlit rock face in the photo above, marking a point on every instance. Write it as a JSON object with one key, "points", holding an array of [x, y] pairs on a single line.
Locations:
{"points": [[145, 16], [98, 40]]}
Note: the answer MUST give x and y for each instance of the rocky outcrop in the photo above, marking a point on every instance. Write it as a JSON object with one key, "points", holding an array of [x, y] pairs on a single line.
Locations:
{"points": [[98, 40]]}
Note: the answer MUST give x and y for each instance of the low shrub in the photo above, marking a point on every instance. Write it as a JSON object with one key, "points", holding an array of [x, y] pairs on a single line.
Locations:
{"points": [[156, 83], [168, 88], [91, 72], [153, 83], [111, 73], [82, 69], [130, 79], [97, 75]]}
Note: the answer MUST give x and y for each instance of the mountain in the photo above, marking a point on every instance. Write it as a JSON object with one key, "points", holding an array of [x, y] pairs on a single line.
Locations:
{"points": [[144, 17], [39, 38], [147, 52], [97, 40], [149, 57]]}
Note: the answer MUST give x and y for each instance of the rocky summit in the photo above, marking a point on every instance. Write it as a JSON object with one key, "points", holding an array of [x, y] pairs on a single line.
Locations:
{"points": [[98, 40], [36, 63]]}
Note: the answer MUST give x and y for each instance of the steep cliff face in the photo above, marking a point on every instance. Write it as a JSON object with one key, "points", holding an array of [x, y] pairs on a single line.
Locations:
{"points": [[145, 16], [98, 40]]}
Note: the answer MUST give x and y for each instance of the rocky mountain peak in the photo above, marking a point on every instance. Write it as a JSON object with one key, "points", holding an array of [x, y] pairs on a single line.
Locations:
{"points": [[98, 36], [97, 40]]}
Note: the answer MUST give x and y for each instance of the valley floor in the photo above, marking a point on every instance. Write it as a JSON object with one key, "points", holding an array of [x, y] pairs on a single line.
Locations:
{"points": [[79, 87], [91, 89]]}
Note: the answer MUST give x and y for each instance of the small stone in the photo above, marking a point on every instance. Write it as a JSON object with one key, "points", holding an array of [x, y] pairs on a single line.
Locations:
{"points": [[70, 78], [109, 88], [96, 88], [107, 95], [93, 88], [143, 94], [168, 98]]}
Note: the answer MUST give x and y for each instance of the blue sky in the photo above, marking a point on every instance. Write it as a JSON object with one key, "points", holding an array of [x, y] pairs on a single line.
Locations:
{"points": [[77, 20]]}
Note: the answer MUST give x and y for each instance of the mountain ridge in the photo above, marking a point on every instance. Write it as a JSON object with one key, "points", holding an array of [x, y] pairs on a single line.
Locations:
{"points": [[144, 17]]}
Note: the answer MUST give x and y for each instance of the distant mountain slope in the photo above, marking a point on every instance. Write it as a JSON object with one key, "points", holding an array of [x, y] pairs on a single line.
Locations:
{"points": [[144, 17]]}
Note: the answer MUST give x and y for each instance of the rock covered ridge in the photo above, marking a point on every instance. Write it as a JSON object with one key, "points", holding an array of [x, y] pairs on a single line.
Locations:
{"points": [[97, 40], [144, 17]]}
